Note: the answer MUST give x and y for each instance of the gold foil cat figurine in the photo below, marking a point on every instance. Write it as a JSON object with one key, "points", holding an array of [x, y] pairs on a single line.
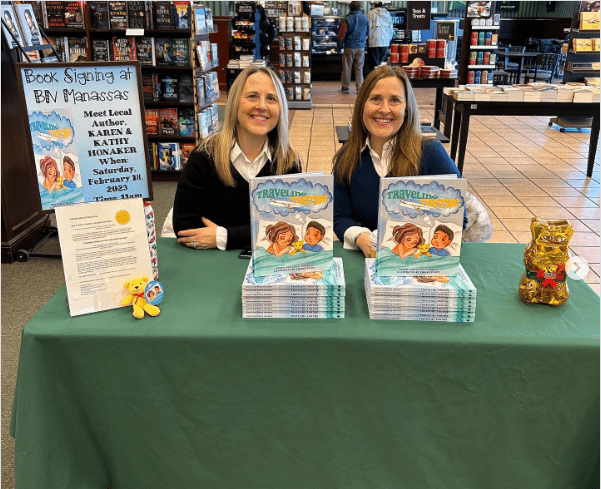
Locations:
{"points": [[545, 259]]}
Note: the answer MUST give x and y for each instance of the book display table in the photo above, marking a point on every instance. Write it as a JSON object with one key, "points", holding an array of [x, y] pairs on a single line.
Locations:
{"points": [[439, 84], [199, 397], [466, 108]]}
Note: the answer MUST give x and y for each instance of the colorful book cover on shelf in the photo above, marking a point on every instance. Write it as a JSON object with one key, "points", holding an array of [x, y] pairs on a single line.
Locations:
{"points": [[10, 19], [124, 48], [152, 121], [118, 15], [200, 26], [29, 26], [182, 14], [163, 15], [147, 87], [169, 88], [151, 153], [186, 148], [74, 16], [37, 12], [99, 12], [54, 14], [214, 54], [168, 154], [292, 223], [136, 15], [420, 223], [145, 50], [100, 50], [186, 123], [78, 50], [209, 18], [186, 88], [57, 44], [181, 51], [202, 57], [200, 91], [168, 124], [164, 51]]}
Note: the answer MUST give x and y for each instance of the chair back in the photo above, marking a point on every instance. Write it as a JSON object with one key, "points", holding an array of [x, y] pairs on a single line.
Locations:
{"points": [[515, 49], [545, 67]]}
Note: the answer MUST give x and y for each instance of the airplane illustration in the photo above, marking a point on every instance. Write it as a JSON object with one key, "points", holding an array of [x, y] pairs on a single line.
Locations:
{"points": [[282, 203], [48, 137], [420, 207]]}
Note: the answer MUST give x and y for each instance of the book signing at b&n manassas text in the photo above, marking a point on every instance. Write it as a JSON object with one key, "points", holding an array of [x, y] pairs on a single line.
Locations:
{"points": [[300, 244]]}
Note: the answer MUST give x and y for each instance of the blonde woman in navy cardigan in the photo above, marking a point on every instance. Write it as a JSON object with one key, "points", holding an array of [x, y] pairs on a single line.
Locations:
{"points": [[385, 140]]}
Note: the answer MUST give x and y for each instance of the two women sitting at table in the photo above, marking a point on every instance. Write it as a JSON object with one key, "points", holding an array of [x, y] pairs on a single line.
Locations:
{"points": [[211, 208], [385, 141]]}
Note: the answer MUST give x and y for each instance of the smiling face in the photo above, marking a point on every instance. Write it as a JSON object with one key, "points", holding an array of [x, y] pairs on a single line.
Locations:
{"points": [[51, 173], [410, 241], [384, 110], [284, 239], [313, 236], [440, 240], [259, 108]]}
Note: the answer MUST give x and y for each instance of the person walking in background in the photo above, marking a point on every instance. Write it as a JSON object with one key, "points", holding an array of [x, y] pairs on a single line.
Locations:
{"points": [[380, 34], [356, 30]]}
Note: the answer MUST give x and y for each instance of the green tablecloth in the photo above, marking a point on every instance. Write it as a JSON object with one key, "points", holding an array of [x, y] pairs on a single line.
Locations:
{"points": [[199, 397]]}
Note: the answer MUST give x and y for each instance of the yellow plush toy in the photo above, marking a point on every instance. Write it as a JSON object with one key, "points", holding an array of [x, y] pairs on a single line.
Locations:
{"points": [[296, 247], [137, 300], [423, 250]]}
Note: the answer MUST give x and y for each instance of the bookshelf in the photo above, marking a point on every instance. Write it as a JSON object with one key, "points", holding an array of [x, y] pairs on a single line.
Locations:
{"points": [[478, 57]]}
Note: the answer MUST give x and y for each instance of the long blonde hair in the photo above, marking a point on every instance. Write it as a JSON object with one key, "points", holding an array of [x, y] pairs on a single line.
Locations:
{"points": [[219, 145], [407, 149]]}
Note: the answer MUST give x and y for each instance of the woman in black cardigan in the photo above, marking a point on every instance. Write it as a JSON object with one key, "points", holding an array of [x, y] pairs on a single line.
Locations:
{"points": [[212, 207]]}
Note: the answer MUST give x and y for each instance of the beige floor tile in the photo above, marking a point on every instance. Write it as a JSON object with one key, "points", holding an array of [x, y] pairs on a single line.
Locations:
{"points": [[551, 213], [497, 191], [502, 237], [591, 278], [497, 225], [585, 212], [581, 226], [592, 224], [563, 192], [511, 212], [591, 192], [484, 182], [537, 201], [517, 182], [596, 288], [517, 225], [533, 191], [575, 202], [589, 253], [507, 173], [522, 236], [585, 239], [549, 182], [501, 200], [595, 267]]}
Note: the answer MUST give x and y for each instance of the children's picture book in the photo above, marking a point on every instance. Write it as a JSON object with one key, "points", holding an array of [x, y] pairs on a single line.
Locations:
{"points": [[118, 15], [182, 14], [99, 14], [186, 88], [9, 17], [145, 51], [136, 15], [420, 223], [29, 26], [292, 223], [168, 124], [186, 123], [163, 15]]}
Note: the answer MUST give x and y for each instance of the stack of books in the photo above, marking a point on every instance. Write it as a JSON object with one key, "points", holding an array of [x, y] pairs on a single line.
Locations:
{"points": [[416, 274], [420, 298], [295, 295], [293, 272]]}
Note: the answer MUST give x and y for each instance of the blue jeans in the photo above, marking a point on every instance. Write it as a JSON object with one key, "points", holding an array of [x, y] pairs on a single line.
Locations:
{"points": [[352, 58]]}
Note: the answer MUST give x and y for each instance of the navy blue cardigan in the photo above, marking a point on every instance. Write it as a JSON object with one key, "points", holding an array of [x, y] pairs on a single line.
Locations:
{"points": [[357, 204]]}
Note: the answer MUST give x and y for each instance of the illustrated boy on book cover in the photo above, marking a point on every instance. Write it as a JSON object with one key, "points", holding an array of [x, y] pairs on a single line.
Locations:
{"points": [[291, 223], [420, 223]]}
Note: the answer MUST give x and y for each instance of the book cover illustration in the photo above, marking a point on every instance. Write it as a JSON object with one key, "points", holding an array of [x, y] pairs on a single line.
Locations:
{"points": [[181, 52], [145, 51], [182, 14], [99, 14], [57, 44], [420, 223], [291, 223], [152, 121], [168, 124], [136, 15], [200, 26], [186, 88], [13, 26], [78, 50], [124, 49], [100, 50], [169, 88], [186, 148], [54, 14], [164, 52], [163, 15], [147, 88], [168, 154], [118, 15], [56, 160], [29, 26], [186, 123], [74, 15]]}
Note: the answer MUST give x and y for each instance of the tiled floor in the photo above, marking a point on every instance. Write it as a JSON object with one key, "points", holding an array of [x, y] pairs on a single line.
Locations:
{"points": [[518, 167]]}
